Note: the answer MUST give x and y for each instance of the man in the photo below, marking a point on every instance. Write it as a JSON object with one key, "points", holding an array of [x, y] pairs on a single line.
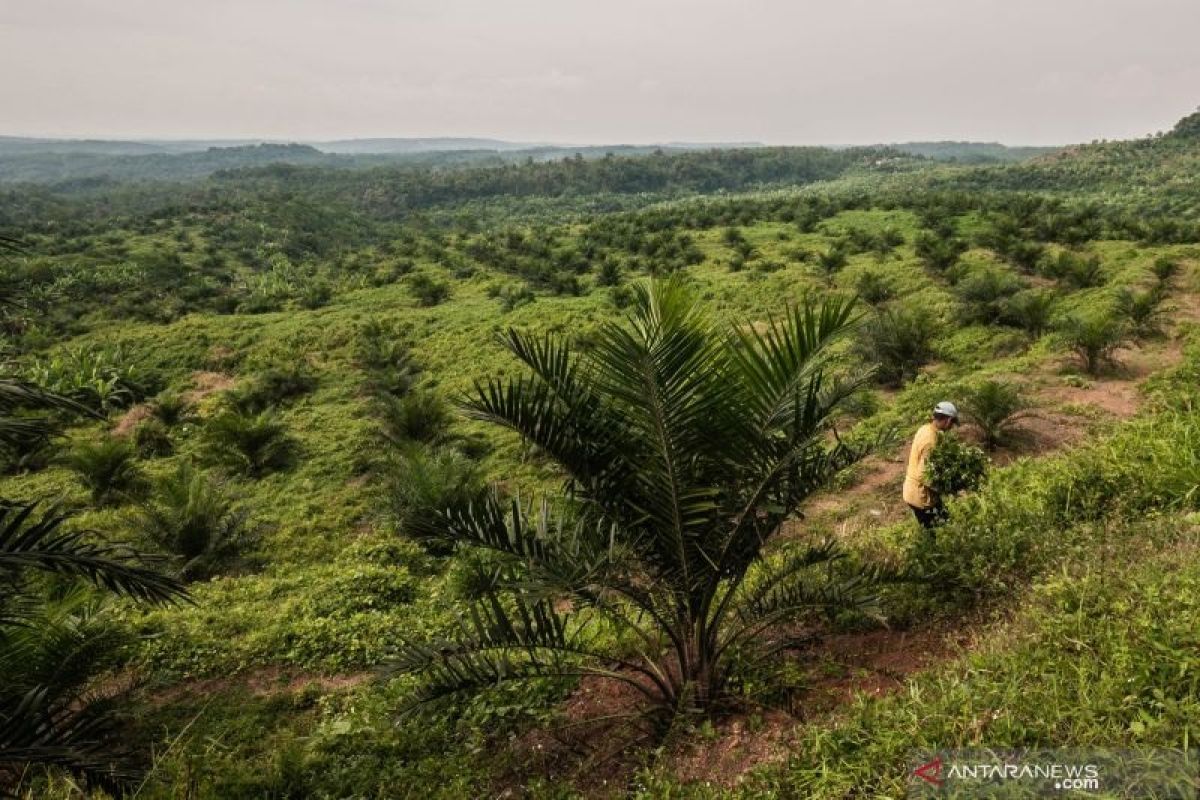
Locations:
{"points": [[926, 505]]}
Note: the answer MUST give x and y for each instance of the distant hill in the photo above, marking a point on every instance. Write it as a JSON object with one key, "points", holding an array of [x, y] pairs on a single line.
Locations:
{"points": [[419, 145], [973, 152], [23, 146], [51, 166], [52, 161], [1188, 127], [1157, 174]]}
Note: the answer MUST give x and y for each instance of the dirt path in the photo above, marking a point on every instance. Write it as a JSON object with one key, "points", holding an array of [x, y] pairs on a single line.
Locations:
{"points": [[264, 682]]}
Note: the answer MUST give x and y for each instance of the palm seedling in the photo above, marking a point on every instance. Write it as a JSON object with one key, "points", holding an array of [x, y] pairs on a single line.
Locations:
{"points": [[1164, 270], [874, 288], [1078, 271], [420, 416], [684, 448], [984, 294], [1094, 337], [108, 468], [1143, 312], [195, 520], [419, 480], [251, 444], [899, 341], [170, 408], [995, 406], [939, 250], [152, 439], [271, 388], [1031, 310], [832, 260]]}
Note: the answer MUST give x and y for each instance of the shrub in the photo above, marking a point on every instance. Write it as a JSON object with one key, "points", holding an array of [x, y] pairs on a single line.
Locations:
{"points": [[253, 445], [1142, 311], [954, 466], [195, 519], [994, 406], [366, 588], [1031, 310], [898, 342], [1094, 337], [108, 468]]}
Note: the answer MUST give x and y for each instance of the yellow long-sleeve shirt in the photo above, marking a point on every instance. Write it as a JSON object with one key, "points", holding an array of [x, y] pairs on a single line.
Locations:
{"points": [[916, 493]]}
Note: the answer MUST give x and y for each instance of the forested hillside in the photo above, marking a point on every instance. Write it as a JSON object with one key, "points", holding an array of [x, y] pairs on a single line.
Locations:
{"points": [[444, 454]]}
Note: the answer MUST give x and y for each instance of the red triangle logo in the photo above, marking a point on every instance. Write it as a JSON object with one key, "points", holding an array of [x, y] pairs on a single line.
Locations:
{"points": [[931, 772]]}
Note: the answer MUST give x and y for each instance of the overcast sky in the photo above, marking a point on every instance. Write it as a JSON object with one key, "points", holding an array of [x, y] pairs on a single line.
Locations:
{"points": [[776, 71]]}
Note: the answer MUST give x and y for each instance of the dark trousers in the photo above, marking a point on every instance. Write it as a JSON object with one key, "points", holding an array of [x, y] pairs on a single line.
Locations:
{"points": [[929, 517]]}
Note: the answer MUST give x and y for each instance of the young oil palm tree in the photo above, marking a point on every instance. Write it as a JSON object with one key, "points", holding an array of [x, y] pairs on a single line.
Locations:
{"points": [[995, 407], [197, 520], [684, 449]]}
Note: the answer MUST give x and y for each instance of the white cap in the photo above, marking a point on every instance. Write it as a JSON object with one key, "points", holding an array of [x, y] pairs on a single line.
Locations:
{"points": [[946, 409]]}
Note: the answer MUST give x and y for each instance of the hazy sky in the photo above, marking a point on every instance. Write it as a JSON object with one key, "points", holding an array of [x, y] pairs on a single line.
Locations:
{"points": [[778, 71]]}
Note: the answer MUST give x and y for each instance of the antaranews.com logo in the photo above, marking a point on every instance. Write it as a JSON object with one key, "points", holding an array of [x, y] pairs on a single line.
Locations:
{"points": [[1071, 772]]}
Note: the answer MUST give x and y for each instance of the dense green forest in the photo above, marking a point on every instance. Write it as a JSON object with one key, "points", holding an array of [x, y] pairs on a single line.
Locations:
{"points": [[535, 474]]}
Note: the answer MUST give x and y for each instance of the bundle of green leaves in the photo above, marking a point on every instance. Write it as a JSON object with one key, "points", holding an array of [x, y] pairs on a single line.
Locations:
{"points": [[955, 466]]}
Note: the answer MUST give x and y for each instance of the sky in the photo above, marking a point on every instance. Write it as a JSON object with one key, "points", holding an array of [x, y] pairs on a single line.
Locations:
{"points": [[617, 71]]}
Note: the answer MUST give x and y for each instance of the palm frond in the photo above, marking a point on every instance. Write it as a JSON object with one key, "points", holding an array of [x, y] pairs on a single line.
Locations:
{"points": [[777, 363], [38, 727], [792, 589], [40, 544], [18, 394], [493, 645]]}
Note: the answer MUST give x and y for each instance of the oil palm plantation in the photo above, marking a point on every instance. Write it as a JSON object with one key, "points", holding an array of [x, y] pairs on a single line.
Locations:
{"points": [[685, 447]]}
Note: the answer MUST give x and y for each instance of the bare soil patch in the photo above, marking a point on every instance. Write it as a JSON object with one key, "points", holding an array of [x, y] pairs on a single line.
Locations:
{"points": [[131, 419], [264, 682], [592, 745], [207, 383]]}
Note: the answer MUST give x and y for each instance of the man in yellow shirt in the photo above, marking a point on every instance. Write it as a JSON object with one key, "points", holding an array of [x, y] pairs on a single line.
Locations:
{"points": [[926, 505]]}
